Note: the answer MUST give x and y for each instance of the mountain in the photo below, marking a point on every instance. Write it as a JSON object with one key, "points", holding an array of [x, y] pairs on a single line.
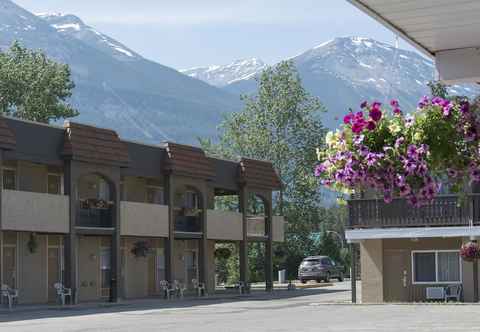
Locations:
{"points": [[345, 71], [221, 76], [115, 86]]}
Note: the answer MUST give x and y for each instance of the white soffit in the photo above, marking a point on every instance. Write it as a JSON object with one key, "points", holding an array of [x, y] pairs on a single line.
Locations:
{"points": [[356, 235], [435, 27]]}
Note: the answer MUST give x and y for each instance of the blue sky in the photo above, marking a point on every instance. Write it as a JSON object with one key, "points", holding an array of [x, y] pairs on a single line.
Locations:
{"points": [[187, 33]]}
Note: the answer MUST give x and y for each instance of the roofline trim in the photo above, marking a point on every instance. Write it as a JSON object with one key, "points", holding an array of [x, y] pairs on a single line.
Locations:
{"points": [[379, 18]]}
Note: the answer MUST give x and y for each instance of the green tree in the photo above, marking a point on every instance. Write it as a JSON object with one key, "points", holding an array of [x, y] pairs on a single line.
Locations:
{"points": [[280, 123], [34, 87]]}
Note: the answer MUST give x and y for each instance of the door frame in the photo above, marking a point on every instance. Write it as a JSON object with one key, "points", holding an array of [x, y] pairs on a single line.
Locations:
{"points": [[188, 282]]}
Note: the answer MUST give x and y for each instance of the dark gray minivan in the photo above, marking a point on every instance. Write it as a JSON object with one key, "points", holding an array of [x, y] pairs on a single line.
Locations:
{"points": [[319, 268]]}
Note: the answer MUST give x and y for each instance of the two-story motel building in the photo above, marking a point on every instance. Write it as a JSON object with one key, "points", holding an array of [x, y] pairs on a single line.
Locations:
{"points": [[77, 201]]}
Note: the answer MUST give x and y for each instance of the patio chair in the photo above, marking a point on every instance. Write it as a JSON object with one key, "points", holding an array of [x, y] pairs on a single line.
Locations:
{"points": [[11, 295], [62, 292], [243, 287], [453, 292], [200, 287], [166, 288], [179, 288]]}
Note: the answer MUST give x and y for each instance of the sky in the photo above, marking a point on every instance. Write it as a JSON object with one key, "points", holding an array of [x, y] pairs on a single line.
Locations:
{"points": [[189, 33]]}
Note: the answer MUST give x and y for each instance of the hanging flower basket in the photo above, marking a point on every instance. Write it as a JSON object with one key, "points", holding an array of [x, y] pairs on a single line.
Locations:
{"points": [[404, 155], [470, 251], [141, 249], [222, 253]]}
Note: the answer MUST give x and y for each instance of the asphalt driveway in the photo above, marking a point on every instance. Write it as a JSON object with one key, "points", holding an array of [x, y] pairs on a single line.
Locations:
{"points": [[322, 309]]}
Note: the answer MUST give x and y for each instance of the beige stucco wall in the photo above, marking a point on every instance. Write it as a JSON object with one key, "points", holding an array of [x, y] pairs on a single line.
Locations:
{"points": [[32, 270], [278, 225], [371, 260], [142, 219], [224, 225], [36, 212], [89, 268]]}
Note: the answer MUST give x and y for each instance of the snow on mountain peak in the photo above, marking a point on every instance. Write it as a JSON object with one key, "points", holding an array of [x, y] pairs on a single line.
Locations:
{"points": [[222, 75], [72, 25]]}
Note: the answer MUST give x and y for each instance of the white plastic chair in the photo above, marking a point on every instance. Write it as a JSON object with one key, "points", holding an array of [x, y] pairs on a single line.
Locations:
{"points": [[11, 295], [63, 292], [179, 288], [453, 292], [200, 287], [167, 290]]}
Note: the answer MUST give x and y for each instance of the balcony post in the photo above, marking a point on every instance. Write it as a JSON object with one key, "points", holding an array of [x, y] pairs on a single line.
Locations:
{"points": [[269, 245], [115, 283], [170, 240], [203, 246], [353, 272], [243, 200], [1, 187], [71, 245]]}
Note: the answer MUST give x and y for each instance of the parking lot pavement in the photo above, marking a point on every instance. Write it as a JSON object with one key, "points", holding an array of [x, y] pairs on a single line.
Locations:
{"points": [[302, 310]]}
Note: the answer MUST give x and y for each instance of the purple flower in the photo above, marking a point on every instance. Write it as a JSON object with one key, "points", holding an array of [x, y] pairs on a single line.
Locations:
{"points": [[452, 172], [423, 102], [412, 151], [464, 106], [371, 125], [397, 111], [319, 169], [364, 104], [399, 142], [394, 103], [387, 197], [375, 114], [347, 119], [405, 190]]}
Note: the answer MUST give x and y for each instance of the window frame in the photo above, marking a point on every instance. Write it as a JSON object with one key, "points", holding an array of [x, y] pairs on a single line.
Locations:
{"points": [[436, 282], [14, 169], [160, 189], [60, 175]]}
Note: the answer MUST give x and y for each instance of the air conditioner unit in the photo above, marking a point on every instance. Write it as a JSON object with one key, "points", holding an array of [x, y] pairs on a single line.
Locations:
{"points": [[435, 293]]}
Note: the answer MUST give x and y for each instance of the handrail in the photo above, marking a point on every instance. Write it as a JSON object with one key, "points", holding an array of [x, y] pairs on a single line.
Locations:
{"points": [[444, 210]]}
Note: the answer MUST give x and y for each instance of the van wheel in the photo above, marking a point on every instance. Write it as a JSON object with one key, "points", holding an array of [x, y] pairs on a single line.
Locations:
{"points": [[340, 277], [303, 281], [327, 278], [318, 281]]}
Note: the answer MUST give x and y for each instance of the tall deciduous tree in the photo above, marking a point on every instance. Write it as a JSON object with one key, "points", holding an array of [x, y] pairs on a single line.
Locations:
{"points": [[280, 123], [34, 87]]}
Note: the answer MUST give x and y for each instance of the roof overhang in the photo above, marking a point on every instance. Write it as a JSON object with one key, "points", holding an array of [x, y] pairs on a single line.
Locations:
{"points": [[444, 30], [357, 235]]}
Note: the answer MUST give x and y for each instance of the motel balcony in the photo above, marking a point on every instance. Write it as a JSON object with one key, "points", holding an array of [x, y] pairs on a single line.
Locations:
{"points": [[443, 211]]}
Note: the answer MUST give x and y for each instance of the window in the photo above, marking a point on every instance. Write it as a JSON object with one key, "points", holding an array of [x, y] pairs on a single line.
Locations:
{"points": [[154, 195], [191, 200], [54, 183], [9, 179], [441, 266]]}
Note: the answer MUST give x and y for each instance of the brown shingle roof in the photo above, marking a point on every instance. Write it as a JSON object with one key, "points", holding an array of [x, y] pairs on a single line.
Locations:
{"points": [[188, 161], [7, 138], [94, 145], [259, 174]]}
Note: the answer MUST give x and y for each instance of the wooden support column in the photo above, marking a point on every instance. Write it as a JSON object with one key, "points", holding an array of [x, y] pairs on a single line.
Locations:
{"points": [[115, 281], [70, 245], [170, 241], [269, 246], [243, 200], [353, 272], [203, 247]]}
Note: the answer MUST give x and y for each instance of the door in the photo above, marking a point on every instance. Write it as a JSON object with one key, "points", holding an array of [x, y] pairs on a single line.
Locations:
{"points": [[55, 271], [105, 271], [10, 266], [159, 268], [396, 282], [191, 270]]}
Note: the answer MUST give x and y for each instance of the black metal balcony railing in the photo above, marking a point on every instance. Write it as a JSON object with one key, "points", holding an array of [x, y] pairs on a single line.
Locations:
{"points": [[90, 216], [188, 224], [445, 210]]}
